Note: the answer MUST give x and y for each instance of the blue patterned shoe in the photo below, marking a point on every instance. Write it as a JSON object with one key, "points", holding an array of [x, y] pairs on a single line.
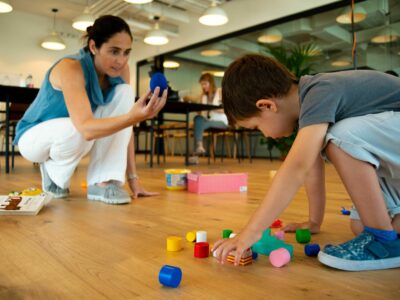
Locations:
{"points": [[361, 254]]}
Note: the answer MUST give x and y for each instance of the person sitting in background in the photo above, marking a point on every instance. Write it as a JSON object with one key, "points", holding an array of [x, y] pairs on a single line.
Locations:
{"points": [[86, 105], [215, 119]]}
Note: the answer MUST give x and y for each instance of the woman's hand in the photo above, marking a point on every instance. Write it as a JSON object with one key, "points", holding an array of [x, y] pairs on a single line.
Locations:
{"points": [[142, 111], [138, 190], [314, 227], [239, 244]]}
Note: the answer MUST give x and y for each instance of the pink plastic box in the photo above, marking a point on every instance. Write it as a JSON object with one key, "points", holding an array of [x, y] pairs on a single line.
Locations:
{"points": [[202, 182]]}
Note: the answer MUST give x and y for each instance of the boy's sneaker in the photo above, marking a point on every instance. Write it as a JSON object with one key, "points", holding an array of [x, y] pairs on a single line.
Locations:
{"points": [[50, 187], [362, 253], [110, 194]]}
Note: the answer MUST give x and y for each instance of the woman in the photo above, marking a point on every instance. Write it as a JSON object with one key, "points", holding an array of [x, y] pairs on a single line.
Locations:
{"points": [[217, 118], [86, 104]]}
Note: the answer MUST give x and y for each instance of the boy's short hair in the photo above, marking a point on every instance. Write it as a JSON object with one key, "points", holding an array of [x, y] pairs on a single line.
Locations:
{"points": [[250, 78]]}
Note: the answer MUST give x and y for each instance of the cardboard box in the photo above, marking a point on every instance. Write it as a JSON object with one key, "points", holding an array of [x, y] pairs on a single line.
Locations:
{"points": [[226, 182]]}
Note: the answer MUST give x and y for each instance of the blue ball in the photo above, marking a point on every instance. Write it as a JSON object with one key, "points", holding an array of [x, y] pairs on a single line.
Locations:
{"points": [[254, 255], [158, 80], [311, 249], [170, 276]]}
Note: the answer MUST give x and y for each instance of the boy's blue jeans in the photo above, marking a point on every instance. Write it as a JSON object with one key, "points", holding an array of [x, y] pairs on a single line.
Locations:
{"points": [[375, 139]]}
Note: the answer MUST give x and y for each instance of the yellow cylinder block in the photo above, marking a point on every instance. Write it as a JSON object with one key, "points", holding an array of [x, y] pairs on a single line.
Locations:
{"points": [[191, 236], [174, 243]]}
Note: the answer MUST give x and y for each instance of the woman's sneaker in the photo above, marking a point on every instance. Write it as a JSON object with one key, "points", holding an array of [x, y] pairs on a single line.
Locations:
{"points": [[110, 194], [50, 187], [362, 253]]}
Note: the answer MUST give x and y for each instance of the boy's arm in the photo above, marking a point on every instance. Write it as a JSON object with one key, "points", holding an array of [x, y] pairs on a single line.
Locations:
{"points": [[291, 175], [315, 188]]}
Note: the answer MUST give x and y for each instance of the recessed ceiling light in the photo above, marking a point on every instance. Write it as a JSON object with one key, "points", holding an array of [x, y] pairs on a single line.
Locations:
{"points": [[271, 36], [385, 35], [345, 17], [211, 52], [342, 61]]}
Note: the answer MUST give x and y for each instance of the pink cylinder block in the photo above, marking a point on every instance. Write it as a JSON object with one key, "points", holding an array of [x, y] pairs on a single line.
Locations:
{"points": [[279, 257]]}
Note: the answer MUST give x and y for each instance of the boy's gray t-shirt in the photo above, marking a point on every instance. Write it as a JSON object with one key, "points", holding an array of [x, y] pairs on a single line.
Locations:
{"points": [[331, 97]]}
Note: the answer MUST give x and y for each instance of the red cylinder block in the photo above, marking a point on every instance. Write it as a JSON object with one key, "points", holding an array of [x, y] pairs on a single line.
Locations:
{"points": [[201, 250]]}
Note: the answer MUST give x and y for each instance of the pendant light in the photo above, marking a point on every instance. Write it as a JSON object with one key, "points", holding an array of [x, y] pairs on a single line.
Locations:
{"points": [[345, 17], [5, 6], [156, 37], [214, 16], [53, 41], [85, 20]]}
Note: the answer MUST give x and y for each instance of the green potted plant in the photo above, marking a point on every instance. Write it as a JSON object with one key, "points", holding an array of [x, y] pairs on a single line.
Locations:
{"points": [[298, 60]]}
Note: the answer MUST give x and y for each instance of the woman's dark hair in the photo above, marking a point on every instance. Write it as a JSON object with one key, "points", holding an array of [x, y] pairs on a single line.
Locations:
{"points": [[104, 28]]}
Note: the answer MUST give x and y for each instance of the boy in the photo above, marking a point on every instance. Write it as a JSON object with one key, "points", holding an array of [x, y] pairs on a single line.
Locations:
{"points": [[353, 117]]}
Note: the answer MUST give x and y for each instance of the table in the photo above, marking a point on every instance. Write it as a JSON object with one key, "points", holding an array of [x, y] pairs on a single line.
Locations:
{"points": [[177, 107], [14, 94]]}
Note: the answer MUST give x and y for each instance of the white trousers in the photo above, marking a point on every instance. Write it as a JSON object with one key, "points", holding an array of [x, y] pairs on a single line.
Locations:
{"points": [[59, 145]]}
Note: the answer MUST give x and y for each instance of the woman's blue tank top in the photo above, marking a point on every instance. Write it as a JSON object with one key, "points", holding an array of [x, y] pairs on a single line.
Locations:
{"points": [[50, 104]]}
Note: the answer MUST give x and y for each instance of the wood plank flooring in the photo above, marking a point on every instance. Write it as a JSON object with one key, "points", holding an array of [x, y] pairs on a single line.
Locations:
{"points": [[79, 249]]}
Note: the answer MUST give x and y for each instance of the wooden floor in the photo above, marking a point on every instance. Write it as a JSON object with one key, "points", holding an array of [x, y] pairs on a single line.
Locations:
{"points": [[79, 249]]}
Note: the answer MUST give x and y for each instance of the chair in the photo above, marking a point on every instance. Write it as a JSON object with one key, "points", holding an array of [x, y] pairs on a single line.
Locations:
{"points": [[16, 112], [212, 134]]}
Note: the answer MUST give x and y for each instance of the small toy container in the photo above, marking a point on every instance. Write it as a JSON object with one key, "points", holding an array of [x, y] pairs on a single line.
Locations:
{"points": [[176, 179], [221, 182]]}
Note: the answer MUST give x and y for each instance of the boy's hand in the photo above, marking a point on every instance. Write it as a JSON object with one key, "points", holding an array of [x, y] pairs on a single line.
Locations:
{"points": [[240, 243], [314, 227]]}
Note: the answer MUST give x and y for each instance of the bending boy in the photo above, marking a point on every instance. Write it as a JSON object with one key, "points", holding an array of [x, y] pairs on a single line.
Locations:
{"points": [[353, 118]]}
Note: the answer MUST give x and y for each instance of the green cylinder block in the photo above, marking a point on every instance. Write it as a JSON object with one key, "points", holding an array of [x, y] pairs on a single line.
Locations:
{"points": [[303, 236]]}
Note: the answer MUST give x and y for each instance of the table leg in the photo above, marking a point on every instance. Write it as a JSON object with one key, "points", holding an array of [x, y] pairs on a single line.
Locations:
{"points": [[7, 135], [151, 142], [187, 140]]}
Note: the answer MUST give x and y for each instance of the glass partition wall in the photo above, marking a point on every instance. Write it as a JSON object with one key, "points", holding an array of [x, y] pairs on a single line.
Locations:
{"points": [[326, 34]]}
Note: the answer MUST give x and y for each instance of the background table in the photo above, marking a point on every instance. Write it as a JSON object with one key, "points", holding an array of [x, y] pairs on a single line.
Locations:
{"points": [[176, 107]]}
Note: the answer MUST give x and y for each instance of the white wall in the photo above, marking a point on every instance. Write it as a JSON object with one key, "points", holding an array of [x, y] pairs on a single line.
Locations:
{"points": [[20, 51]]}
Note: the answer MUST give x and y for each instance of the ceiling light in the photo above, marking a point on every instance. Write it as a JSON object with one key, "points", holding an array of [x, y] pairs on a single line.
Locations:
{"points": [[270, 36], [138, 1], [83, 21], [211, 52], [342, 61], [156, 37], [386, 35], [170, 64], [214, 16], [5, 6], [219, 73], [345, 17], [53, 41]]}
